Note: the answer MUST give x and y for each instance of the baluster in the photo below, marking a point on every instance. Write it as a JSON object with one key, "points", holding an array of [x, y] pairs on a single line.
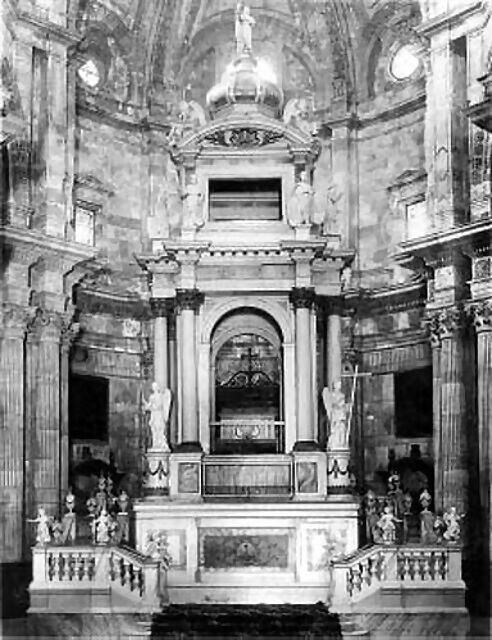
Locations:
{"points": [[80, 566], [418, 566], [59, 566], [112, 568], [87, 567], [132, 577], [443, 565], [65, 559], [350, 582], [51, 567], [71, 566], [122, 572], [357, 578], [426, 570], [365, 575], [140, 581]]}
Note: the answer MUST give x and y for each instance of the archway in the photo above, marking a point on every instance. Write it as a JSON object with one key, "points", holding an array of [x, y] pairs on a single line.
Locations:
{"points": [[246, 384]]}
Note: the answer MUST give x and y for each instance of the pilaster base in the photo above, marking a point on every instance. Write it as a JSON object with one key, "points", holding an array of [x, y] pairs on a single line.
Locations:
{"points": [[338, 471], [185, 476], [156, 481], [309, 475]]}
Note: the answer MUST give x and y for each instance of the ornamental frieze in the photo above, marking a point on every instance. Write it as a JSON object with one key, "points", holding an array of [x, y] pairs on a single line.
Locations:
{"points": [[242, 137]]}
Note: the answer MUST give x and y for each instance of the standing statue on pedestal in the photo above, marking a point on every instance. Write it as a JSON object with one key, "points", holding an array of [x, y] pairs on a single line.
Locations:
{"points": [[300, 207], [337, 411], [244, 27], [159, 407], [43, 527]]}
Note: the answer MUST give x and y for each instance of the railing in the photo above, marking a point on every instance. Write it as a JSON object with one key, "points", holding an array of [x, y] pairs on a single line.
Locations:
{"points": [[58, 572], [355, 578], [251, 435]]}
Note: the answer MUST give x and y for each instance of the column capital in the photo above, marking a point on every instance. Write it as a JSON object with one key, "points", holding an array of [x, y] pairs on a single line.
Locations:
{"points": [[302, 297], [480, 313], [46, 325], [444, 323], [190, 299], [14, 320], [161, 307], [330, 305]]}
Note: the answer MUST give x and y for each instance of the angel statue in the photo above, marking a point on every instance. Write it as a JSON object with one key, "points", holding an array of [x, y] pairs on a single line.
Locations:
{"points": [[159, 407], [300, 206], [337, 411], [244, 28]]}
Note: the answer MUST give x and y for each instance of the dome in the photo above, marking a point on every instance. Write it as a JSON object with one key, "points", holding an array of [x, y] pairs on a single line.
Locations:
{"points": [[245, 82]]}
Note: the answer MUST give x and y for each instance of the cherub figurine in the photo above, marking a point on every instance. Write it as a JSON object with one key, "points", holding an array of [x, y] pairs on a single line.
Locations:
{"points": [[43, 521], [387, 526], [452, 521]]}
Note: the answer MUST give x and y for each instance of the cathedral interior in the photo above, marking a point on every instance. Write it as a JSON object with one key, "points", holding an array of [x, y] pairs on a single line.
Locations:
{"points": [[246, 337]]}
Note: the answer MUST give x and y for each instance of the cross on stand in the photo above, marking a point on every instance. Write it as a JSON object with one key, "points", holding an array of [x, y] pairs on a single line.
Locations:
{"points": [[355, 376]]}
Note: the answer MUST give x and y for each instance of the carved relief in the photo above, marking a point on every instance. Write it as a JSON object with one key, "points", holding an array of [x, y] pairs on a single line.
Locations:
{"points": [[243, 548], [188, 477], [324, 545], [307, 477], [242, 137]]}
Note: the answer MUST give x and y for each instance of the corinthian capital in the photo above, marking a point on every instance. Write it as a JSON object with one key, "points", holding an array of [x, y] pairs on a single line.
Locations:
{"points": [[45, 325], [444, 323], [481, 315], [189, 299], [302, 297]]}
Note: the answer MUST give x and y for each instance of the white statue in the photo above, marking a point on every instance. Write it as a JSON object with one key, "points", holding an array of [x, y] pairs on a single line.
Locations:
{"points": [[193, 205], [387, 526], [297, 113], [453, 528], [159, 407], [300, 206], [244, 28], [337, 411], [43, 529]]}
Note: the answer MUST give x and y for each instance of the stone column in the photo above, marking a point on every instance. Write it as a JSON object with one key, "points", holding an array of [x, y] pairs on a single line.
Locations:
{"points": [[188, 302], [43, 424], [482, 316], [161, 308], [13, 324], [302, 298], [452, 481]]}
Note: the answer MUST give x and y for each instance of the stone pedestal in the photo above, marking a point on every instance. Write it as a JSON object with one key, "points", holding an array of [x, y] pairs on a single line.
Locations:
{"points": [[309, 475], [303, 232], [338, 461], [185, 481], [156, 481]]}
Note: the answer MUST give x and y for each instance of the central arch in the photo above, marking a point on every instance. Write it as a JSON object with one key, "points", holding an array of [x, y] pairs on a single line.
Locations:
{"points": [[246, 383]]}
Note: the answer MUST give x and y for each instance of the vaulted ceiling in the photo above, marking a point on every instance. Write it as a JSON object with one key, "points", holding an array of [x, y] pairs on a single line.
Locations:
{"points": [[158, 38]]}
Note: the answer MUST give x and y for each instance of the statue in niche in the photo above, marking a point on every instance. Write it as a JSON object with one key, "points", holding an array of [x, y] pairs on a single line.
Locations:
{"points": [[298, 113], [244, 28], [193, 205], [118, 76], [159, 407], [300, 206], [337, 411]]}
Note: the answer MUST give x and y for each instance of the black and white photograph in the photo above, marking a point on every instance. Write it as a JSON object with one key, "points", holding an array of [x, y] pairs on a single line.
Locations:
{"points": [[245, 319]]}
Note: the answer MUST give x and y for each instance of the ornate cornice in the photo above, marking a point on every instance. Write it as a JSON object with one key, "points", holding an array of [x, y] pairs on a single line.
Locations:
{"points": [[302, 297], [189, 299]]}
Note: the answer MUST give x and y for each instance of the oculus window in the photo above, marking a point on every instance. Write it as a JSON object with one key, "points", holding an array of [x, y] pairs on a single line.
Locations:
{"points": [[413, 403], [405, 62], [245, 199]]}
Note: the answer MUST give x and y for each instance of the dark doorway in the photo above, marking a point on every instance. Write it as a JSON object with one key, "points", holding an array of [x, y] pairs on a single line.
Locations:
{"points": [[413, 403], [88, 408]]}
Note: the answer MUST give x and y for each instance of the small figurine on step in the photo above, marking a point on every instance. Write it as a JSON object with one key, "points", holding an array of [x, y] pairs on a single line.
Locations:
{"points": [[453, 528], [387, 526], [427, 533]]}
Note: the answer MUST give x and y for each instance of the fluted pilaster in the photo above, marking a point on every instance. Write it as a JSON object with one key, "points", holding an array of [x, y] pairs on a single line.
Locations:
{"points": [[446, 328], [188, 304], [302, 300], [13, 327]]}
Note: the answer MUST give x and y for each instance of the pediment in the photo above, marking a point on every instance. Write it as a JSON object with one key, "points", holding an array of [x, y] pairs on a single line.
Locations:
{"points": [[247, 134]]}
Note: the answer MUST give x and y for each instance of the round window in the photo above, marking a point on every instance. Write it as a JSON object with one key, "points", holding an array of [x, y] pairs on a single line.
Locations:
{"points": [[405, 62], [89, 73]]}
